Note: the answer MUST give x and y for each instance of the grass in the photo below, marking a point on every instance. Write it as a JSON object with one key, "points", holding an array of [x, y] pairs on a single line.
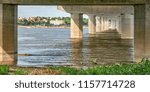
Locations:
{"points": [[4, 70], [142, 68], [20, 72]]}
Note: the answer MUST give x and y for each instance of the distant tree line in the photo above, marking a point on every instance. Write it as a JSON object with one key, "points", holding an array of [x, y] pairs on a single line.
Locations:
{"points": [[47, 21]]}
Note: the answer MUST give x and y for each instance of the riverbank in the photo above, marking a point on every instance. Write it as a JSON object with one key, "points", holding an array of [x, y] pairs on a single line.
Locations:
{"points": [[43, 26], [141, 68], [46, 26]]}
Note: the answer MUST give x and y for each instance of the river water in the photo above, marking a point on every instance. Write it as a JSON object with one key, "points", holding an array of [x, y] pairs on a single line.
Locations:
{"points": [[47, 46]]}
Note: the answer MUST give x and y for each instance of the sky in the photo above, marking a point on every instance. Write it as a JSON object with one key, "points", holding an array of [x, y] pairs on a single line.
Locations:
{"points": [[43, 11]]}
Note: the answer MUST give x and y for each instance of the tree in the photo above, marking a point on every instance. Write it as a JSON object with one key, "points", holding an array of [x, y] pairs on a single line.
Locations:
{"points": [[67, 21], [85, 21]]}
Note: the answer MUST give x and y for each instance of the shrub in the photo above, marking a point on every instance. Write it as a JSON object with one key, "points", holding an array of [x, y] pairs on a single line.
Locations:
{"points": [[4, 70]]}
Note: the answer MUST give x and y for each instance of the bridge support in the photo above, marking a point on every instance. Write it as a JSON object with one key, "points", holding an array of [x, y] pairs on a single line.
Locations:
{"points": [[8, 34], [98, 24], [126, 26], [105, 23], [92, 24], [76, 25], [142, 31], [147, 32]]}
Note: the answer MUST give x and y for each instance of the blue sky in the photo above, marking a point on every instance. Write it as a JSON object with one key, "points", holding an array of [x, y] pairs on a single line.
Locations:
{"points": [[43, 11]]}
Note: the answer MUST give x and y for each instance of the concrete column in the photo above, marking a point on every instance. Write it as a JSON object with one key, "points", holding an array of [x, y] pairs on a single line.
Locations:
{"points": [[110, 23], [141, 32], [98, 24], [119, 24], [105, 23], [132, 25], [92, 24], [126, 31], [147, 32], [114, 23], [8, 34], [76, 25]]}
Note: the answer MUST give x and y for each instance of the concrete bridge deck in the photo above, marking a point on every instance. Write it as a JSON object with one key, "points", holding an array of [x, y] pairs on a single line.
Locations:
{"points": [[102, 9], [74, 2]]}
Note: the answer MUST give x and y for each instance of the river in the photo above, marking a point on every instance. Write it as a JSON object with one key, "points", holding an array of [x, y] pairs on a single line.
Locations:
{"points": [[53, 46]]}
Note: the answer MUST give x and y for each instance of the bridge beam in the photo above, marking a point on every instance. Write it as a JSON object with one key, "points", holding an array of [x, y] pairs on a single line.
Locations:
{"points": [[74, 2], [8, 34], [142, 31], [76, 25], [92, 24]]}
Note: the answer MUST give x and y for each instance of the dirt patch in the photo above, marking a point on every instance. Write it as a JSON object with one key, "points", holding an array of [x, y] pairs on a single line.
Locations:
{"points": [[34, 71]]}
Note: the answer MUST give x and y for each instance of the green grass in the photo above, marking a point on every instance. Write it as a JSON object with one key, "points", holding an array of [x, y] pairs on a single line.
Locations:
{"points": [[142, 68], [4, 70], [20, 72]]}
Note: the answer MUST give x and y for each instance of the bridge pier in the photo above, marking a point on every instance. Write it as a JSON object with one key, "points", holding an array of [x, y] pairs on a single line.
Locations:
{"points": [[142, 31], [92, 24], [105, 23], [126, 26], [114, 23], [147, 32], [98, 24], [8, 34], [76, 25]]}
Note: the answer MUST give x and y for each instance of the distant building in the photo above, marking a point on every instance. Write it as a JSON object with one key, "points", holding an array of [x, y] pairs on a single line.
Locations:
{"points": [[44, 20], [57, 22], [21, 18]]}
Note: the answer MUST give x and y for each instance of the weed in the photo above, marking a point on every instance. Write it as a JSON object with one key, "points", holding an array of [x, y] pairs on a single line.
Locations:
{"points": [[20, 72], [142, 68], [4, 70]]}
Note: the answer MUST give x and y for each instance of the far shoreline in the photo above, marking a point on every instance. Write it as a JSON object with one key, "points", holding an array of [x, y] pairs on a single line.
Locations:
{"points": [[19, 26]]}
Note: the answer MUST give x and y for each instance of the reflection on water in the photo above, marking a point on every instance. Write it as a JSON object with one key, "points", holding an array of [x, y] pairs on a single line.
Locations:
{"points": [[43, 46]]}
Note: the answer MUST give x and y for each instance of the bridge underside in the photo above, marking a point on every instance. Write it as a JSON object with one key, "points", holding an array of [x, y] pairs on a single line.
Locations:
{"points": [[74, 2], [104, 18], [137, 14], [130, 21]]}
